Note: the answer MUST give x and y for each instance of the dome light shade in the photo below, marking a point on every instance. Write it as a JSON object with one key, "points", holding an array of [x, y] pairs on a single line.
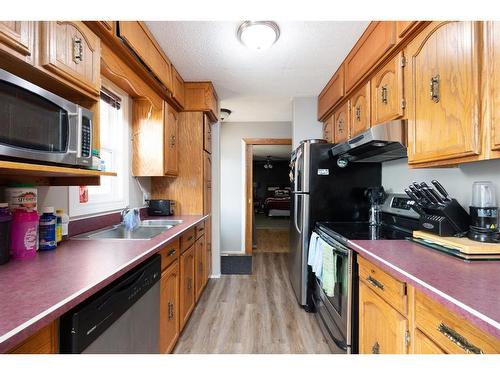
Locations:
{"points": [[258, 35]]}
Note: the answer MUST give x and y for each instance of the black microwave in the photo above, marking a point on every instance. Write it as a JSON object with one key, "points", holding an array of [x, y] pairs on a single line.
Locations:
{"points": [[38, 125]]}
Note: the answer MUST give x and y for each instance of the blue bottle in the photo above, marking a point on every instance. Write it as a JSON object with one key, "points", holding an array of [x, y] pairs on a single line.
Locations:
{"points": [[47, 229]]}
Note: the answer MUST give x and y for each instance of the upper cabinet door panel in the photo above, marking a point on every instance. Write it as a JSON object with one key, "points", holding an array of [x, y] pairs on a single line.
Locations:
{"points": [[378, 38], [136, 35], [328, 132], [178, 87], [360, 110], [494, 63], [443, 92], [332, 93], [387, 92], [341, 125], [70, 50], [17, 39]]}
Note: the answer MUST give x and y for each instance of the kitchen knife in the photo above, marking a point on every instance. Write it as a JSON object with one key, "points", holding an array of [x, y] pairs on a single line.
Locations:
{"points": [[426, 201], [420, 199], [441, 190], [426, 192], [432, 192], [414, 204]]}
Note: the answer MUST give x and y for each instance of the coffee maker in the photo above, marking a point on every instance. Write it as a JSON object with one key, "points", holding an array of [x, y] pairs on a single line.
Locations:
{"points": [[484, 213]]}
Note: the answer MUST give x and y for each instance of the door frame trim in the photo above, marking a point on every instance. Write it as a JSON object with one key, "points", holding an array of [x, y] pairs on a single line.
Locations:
{"points": [[249, 143]]}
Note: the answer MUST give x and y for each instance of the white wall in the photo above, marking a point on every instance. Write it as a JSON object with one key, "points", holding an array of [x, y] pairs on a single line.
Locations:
{"points": [[304, 123], [457, 181], [232, 167], [216, 198]]}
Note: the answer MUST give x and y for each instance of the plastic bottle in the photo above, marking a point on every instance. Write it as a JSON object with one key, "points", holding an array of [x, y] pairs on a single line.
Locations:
{"points": [[58, 226], [5, 221], [24, 234], [64, 223], [48, 229]]}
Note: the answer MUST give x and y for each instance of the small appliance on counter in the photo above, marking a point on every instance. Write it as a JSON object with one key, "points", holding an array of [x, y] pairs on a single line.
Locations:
{"points": [[161, 207], [439, 213], [484, 213]]}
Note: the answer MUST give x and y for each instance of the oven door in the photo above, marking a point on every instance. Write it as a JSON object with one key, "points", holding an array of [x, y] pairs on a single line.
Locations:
{"points": [[338, 308], [36, 124]]}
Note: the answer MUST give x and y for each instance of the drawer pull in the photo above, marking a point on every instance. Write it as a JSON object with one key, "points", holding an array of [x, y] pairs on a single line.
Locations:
{"points": [[376, 348], [171, 252], [458, 339], [375, 282], [189, 238]]}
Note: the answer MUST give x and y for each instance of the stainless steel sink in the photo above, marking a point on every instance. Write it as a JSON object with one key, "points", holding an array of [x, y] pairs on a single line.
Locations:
{"points": [[147, 230]]}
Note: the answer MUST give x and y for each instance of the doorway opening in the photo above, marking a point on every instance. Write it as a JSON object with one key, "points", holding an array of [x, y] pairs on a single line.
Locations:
{"points": [[267, 195]]}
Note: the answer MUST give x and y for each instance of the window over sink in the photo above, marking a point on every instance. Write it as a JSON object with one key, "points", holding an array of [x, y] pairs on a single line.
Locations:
{"points": [[113, 193]]}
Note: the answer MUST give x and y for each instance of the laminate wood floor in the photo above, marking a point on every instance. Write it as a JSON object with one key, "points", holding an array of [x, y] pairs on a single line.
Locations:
{"points": [[252, 314], [272, 241]]}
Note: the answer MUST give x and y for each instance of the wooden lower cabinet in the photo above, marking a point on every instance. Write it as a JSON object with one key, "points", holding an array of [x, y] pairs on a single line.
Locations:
{"points": [[169, 308], [200, 261], [45, 341], [187, 286], [382, 329], [424, 345]]}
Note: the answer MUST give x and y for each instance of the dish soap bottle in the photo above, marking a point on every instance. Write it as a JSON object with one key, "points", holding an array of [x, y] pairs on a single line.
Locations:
{"points": [[47, 228]]}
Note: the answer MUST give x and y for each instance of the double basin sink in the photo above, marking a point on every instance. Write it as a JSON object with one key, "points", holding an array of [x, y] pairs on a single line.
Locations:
{"points": [[145, 231]]}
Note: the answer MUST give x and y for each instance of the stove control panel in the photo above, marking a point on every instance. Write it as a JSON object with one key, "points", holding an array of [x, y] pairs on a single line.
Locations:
{"points": [[397, 204]]}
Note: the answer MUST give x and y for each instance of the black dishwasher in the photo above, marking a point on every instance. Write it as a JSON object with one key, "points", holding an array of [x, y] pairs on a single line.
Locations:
{"points": [[123, 318]]}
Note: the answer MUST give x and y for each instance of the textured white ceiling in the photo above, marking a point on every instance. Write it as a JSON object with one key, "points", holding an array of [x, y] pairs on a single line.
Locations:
{"points": [[258, 85], [260, 152]]}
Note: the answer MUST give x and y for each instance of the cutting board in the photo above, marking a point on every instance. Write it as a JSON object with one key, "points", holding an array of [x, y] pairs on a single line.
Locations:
{"points": [[463, 244]]}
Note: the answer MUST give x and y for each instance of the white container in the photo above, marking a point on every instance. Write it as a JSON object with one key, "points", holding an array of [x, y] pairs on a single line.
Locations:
{"points": [[22, 197]]}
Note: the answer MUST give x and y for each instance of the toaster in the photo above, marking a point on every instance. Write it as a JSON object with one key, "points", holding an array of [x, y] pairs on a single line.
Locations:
{"points": [[161, 207]]}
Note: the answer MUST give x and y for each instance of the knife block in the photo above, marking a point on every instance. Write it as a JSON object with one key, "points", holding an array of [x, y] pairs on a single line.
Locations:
{"points": [[448, 220]]}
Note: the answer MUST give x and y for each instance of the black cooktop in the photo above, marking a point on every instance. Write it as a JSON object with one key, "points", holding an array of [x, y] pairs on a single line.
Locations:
{"points": [[363, 231]]}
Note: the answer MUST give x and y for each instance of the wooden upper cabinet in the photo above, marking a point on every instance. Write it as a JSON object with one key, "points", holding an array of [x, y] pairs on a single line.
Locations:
{"points": [[17, 39], [207, 134], [382, 330], [154, 139], [137, 37], [493, 39], [331, 94], [387, 102], [341, 124], [404, 27], [328, 131], [378, 38], [169, 308], [207, 167], [72, 52], [201, 97], [177, 87], [171, 153], [359, 116], [442, 90], [187, 296]]}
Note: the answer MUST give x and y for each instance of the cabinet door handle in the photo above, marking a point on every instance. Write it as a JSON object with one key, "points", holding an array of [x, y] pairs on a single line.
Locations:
{"points": [[172, 140], [375, 282], [171, 252], [458, 339], [376, 348], [358, 113], [189, 238], [170, 311], [434, 88], [77, 50], [190, 283], [341, 126], [383, 94]]}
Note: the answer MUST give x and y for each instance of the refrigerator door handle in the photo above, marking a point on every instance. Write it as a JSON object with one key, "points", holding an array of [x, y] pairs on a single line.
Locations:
{"points": [[295, 213]]}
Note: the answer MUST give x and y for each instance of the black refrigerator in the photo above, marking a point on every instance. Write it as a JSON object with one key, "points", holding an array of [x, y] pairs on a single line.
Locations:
{"points": [[322, 191]]}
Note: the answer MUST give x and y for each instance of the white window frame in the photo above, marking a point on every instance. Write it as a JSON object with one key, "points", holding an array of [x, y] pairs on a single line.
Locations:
{"points": [[110, 202]]}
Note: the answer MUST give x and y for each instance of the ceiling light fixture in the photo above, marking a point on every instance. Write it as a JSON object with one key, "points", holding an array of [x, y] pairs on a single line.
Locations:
{"points": [[224, 113], [268, 164], [258, 35]]}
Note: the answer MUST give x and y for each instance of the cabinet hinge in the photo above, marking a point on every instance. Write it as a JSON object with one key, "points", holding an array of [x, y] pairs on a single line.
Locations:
{"points": [[403, 103], [403, 61], [407, 338]]}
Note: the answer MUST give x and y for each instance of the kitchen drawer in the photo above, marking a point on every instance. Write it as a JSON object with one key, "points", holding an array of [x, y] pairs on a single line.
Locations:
{"points": [[187, 239], [390, 289], [169, 253], [42, 342], [200, 229], [449, 331]]}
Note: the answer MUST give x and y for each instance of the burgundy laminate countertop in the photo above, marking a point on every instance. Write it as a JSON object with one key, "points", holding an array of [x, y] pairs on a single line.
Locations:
{"points": [[470, 289], [36, 291]]}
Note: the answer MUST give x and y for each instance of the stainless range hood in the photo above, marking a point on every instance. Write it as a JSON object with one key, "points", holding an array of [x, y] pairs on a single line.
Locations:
{"points": [[380, 143]]}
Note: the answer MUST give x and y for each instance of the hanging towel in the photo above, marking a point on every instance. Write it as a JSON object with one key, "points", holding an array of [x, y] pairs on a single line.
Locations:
{"points": [[312, 249], [329, 272], [317, 266]]}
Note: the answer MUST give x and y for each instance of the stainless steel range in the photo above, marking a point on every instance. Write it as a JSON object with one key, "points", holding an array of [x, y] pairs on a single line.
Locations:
{"points": [[337, 305]]}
